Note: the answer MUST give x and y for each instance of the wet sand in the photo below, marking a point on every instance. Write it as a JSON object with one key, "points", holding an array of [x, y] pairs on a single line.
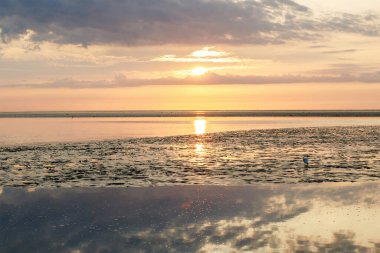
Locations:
{"points": [[327, 217], [337, 154]]}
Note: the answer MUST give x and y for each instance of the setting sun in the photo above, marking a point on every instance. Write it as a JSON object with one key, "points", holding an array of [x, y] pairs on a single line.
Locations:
{"points": [[199, 71]]}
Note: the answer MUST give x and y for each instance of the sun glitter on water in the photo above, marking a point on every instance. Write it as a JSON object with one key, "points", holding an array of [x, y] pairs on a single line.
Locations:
{"points": [[199, 71], [200, 148]]}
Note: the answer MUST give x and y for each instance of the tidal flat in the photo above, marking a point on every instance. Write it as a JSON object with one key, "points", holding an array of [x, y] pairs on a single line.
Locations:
{"points": [[337, 154]]}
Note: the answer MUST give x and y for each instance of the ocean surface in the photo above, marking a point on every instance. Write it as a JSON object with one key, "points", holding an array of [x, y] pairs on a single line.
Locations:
{"points": [[31, 130], [192, 113]]}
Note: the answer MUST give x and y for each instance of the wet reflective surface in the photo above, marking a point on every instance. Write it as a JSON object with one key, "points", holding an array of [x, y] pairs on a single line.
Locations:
{"points": [[47, 130], [329, 217], [336, 154]]}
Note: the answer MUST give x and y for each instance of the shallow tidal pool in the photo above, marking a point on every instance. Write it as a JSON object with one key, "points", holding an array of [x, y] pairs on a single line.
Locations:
{"points": [[327, 217]]}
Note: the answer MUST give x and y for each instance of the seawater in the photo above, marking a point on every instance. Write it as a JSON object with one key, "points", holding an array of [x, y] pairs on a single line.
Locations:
{"points": [[257, 218], [14, 131]]}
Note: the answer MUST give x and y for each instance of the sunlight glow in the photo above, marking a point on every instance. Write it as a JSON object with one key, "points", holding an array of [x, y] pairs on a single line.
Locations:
{"points": [[200, 126], [199, 71], [208, 52], [199, 148]]}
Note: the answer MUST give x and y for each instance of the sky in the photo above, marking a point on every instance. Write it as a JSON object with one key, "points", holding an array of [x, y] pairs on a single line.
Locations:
{"points": [[58, 55]]}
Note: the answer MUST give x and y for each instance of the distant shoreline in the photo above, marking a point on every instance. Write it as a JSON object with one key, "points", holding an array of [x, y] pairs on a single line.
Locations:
{"points": [[184, 113]]}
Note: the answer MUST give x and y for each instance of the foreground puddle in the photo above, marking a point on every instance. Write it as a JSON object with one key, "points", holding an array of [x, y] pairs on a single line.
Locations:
{"points": [[328, 217]]}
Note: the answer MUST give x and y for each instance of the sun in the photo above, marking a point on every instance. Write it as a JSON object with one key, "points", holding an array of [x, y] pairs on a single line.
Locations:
{"points": [[199, 71]]}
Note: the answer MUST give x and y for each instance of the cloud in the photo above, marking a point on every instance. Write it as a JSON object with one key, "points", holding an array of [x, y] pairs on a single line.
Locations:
{"points": [[210, 78], [208, 52], [157, 22], [175, 58], [361, 24], [204, 55], [352, 50], [341, 69], [318, 46]]}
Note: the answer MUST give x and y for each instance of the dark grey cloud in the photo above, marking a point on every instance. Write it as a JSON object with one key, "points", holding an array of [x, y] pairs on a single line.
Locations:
{"points": [[362, 24], [154, 22]]}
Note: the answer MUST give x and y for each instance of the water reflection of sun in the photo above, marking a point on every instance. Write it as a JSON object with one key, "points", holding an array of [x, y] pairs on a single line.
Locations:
{"points": [[200, 126], [199, 148]]}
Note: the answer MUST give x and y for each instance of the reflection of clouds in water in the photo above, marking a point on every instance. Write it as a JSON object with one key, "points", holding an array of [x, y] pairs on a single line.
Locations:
{"points": [[342, 241], [243, 236], [188, 219], [238, 235]]}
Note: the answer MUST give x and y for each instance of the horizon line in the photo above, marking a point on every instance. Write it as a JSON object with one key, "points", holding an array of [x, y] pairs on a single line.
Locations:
{"points": [[192, 113]]}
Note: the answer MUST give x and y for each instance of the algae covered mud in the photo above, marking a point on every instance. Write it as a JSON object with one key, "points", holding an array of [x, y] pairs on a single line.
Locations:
{"points": [[338, 154]]}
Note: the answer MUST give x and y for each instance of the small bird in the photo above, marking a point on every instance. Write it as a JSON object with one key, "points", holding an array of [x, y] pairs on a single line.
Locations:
{"points": [[306, 160]]}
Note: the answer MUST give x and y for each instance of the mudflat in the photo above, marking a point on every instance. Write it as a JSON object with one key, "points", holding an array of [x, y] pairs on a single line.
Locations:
{"points": [[336, 154]]}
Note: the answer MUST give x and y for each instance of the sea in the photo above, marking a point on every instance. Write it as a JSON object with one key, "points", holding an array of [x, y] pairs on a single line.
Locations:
{"points": [[53, 127]]}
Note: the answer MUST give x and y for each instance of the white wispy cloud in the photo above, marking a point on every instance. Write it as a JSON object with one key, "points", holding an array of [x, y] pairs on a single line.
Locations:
{"points": [[204, 55], [208, 52], [210, 78], [174, 58]]}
